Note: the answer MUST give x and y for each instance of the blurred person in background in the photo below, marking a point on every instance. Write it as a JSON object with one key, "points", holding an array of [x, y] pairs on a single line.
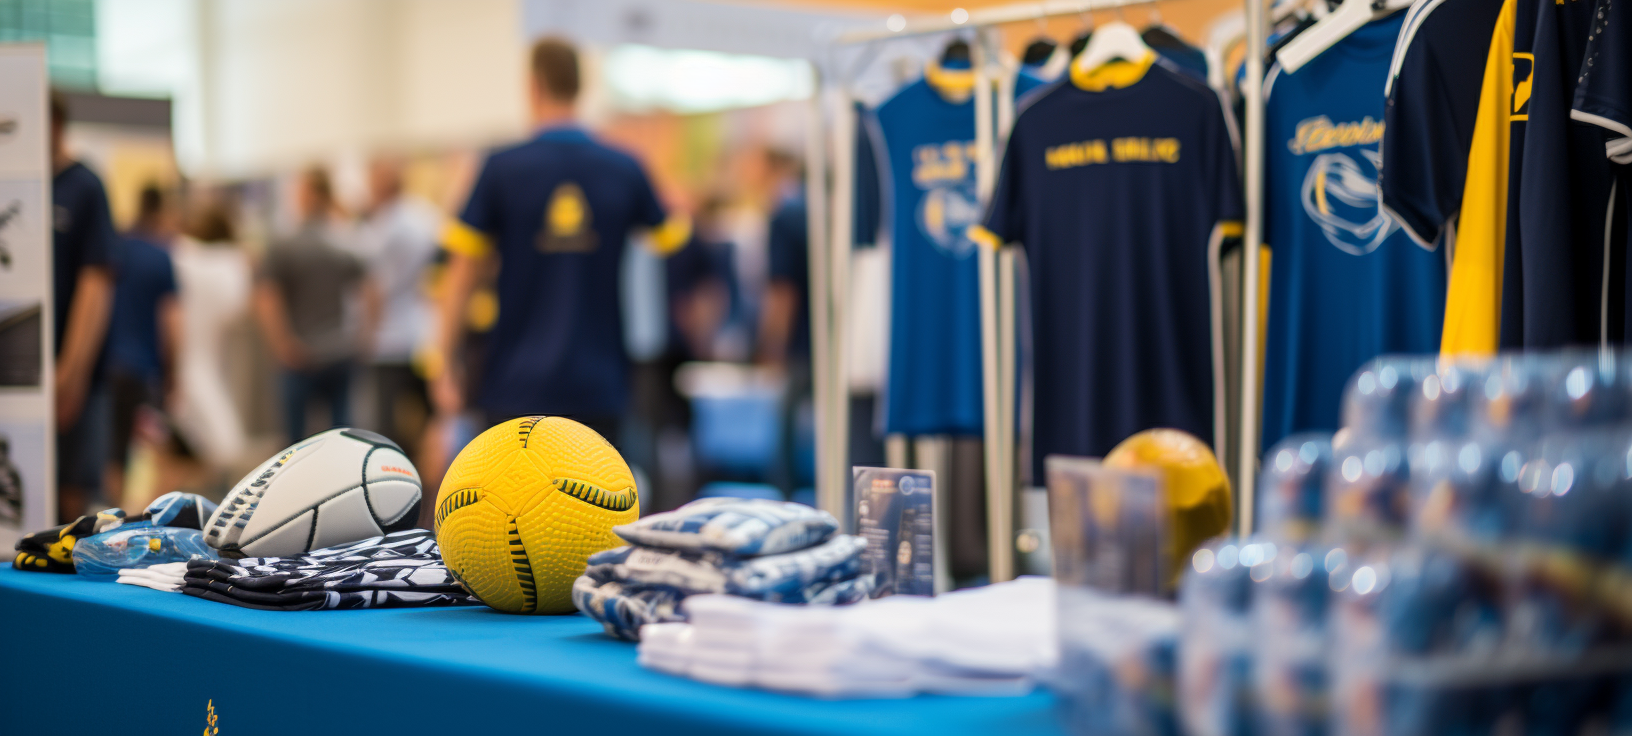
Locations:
{"points": [[145, 329], [398, 237], [301, 293], [213, 274], [784, 325], [556, 212], [84, 252], [784, 320], [702, 290]]}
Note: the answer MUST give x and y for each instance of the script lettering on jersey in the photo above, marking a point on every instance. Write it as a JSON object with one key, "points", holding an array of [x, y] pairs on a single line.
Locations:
{"points": [[935, 163], [1320, 133], [1130, 149]]}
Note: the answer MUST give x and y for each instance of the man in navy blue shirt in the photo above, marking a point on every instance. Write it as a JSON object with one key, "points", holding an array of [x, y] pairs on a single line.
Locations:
{"points": [[83, 252], [146, 325], [556, 211]]}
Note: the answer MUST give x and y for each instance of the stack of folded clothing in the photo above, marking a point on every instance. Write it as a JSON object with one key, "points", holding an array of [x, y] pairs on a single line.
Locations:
{"points": [[997, 640], [398, 570], [752, 548]]}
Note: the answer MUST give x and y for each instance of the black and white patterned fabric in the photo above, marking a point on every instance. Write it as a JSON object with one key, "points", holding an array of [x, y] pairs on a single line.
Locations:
{"points": [[398, 570]]}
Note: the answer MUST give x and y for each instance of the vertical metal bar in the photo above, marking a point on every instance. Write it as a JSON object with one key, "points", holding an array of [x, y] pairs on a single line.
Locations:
{"points": [[837, 490], [999, 506], [820, 296], [1252, 91]]}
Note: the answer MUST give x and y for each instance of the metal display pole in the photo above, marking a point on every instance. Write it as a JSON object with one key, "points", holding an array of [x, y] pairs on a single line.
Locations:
{"points": [[816, 213], [999, 505], [836, 491], [1252, 94]]}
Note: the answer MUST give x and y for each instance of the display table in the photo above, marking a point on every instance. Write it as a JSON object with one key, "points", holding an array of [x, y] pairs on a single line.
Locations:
{"points": [[94, 657]]}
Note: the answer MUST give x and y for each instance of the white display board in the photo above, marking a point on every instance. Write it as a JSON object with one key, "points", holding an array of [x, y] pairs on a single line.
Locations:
{"points": [[27, 431]]}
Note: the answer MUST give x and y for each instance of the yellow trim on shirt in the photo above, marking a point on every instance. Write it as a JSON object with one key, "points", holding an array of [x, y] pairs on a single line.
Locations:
{"points": [[1473, 298], [458, 237], [953, 84], [1232, 228], [1114, 74], [672, 235], [984, 237]]}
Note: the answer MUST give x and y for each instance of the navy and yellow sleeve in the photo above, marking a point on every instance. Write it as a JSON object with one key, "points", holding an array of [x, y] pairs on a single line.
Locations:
{"points": [[1433, 102], [1603, 96], [669, 233], [471, 234]]}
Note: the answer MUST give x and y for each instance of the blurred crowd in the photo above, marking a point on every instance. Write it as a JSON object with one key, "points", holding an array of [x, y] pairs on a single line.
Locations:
{"points": [[369, 316]]}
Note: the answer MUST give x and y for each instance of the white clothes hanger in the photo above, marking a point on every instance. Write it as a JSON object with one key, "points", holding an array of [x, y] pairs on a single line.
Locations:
{"points": [[1347, 19], [1114, 40]]}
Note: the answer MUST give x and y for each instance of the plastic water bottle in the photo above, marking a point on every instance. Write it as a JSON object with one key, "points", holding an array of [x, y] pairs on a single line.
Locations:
{"points": [[137, 544]]}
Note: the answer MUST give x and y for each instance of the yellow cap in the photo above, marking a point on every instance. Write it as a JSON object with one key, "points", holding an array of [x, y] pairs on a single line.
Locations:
{"points": [[1198, 493]]}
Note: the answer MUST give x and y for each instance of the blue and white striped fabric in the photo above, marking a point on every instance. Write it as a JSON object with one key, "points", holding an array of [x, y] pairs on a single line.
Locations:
{"points": [[793, 577], [745, 527]]}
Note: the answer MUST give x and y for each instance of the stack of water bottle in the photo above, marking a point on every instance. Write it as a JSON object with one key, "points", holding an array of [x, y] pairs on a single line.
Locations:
{"points": [[1456, 559]]}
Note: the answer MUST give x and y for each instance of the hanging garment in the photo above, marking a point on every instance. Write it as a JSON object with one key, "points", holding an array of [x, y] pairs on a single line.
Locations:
{"points": [[1473, 299], [1603, 97], [1433, 94], [1119, 184], [1562, 204], [924, 141], [1347, 283]]}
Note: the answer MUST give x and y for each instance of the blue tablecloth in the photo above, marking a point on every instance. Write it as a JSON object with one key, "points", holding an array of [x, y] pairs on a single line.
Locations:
{"points": [[94, 657]]}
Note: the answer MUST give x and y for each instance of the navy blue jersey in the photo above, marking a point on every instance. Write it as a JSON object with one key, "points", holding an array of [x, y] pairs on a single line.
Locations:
{"points": [[81, 236], [1433, 99], [1558, 208], [1603, 92], [928, 167], [557, 210], [1346, 284], [1118, 196], [146, 277], [1603, 97]]}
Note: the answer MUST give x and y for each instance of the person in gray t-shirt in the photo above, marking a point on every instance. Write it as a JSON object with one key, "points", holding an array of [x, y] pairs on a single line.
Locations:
{"points": [[301, 294]]}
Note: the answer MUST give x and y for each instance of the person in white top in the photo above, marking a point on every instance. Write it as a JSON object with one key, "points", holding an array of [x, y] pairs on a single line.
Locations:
{"points": [[397, 238], [213, 281]]}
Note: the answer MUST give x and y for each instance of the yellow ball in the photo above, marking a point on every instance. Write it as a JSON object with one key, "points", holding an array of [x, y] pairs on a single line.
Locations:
{"points": [[1199, 503], [523, 507]]}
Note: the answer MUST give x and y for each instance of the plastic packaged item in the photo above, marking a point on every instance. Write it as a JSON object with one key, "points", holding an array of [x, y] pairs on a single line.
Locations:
{"points": [[1118, 664], [1414, 625], [1442, 404], [137, 544], [737, 526], [1466, 493], [1574, 503], [895, 513], [1377, 400], [1507, 406], [1109, 527], [1215, 684], [1289, 613], [1588, 389], [1368, 491], [1290, 487]]}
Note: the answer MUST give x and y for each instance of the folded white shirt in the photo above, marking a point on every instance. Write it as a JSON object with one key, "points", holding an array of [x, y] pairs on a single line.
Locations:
{"points": [[997, 640]]}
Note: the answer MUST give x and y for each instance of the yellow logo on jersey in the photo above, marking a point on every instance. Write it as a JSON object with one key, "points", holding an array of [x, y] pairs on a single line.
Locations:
{"points": [[1524, 70], [935, 163], [1130, 149], [1320, 133], [566, 222]]}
